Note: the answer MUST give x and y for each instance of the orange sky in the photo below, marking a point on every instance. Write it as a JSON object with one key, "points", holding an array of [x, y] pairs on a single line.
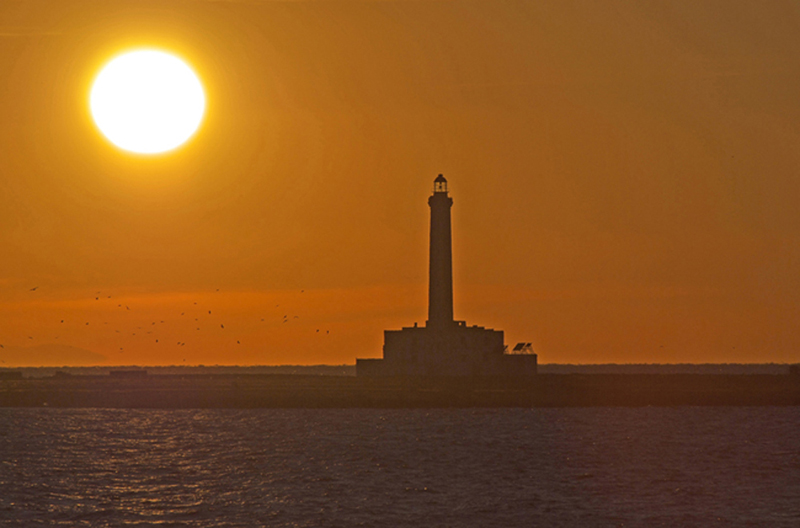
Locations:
{"points": [[625, 179]]}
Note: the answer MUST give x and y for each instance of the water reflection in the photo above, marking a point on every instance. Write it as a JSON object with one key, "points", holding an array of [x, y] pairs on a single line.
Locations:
{"points": [[559, 467]]}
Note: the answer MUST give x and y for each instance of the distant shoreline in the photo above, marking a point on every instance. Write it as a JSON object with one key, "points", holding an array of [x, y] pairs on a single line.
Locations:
{"points": [[349, 370], [154, 388]]}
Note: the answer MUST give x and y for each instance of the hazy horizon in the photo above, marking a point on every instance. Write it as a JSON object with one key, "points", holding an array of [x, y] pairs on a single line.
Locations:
{"points": [[350, 369]]}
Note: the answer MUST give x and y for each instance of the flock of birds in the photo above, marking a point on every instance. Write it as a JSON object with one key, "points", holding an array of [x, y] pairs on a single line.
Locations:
{"points": [[143, 330]]}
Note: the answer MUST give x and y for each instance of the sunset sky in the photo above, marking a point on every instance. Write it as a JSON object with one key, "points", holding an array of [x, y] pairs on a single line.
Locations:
{"points": [[625, 177]]}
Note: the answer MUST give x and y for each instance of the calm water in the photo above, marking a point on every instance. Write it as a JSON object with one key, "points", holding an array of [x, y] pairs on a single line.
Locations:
{"points": [[542, 467]]}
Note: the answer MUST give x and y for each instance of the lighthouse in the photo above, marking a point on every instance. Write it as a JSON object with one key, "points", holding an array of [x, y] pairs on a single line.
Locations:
{"points": [[440, 276], [444, 347]]}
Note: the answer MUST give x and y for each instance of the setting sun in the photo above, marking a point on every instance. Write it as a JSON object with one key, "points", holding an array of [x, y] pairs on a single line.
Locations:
{"points": [[147, 101]]}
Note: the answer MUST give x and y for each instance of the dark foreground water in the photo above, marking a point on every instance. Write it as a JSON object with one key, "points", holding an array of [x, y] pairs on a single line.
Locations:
{"points": [[689, 466]]}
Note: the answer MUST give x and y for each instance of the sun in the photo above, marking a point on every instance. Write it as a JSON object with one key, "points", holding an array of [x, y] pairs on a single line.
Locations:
{"points": [[147, 101]]}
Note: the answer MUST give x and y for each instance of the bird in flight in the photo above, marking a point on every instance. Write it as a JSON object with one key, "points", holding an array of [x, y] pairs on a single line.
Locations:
{"points": [[34, 288]]}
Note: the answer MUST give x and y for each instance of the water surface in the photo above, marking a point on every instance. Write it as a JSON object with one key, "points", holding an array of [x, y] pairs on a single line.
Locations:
{"points": [[688, 466]]}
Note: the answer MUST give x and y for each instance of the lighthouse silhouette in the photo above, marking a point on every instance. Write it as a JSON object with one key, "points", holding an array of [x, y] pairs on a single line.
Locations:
{"points": [[440, 279], [445, 347]]}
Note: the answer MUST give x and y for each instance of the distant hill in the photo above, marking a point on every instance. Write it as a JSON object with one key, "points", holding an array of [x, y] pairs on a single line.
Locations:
{"points": [[307, 370], [50, 355], [669, 368]]}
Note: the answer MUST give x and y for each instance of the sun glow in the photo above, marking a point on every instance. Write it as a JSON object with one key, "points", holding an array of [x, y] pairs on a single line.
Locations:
{"points": [[147, 101]]}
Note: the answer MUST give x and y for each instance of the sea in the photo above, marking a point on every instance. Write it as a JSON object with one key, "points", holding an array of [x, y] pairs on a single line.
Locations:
{"points": [[584, 467]]}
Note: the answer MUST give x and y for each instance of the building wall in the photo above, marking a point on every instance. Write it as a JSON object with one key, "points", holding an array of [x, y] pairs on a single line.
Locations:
{"points": [[457, 351]]}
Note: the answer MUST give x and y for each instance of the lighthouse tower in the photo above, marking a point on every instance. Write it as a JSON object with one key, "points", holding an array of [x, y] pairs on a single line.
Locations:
{"points": [[440, 279], [445, 347]]}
